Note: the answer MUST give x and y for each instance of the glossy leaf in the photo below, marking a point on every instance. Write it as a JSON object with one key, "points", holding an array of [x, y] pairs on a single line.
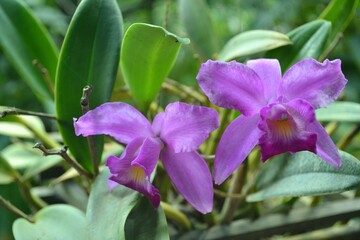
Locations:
{"points": [[196, 19], [107, 211], [152, 221], [24, 39], [339, 13], [308, 42], [148, 53], [252, 42], [340, 111], [55, 222], [89, 56], [305, 174]]}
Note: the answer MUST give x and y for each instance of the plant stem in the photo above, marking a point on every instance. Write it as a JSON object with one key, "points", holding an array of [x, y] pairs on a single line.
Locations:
{"points": [[236, 185], [178, 217], [346, 139], [45, 74], [183, 91], [85, 102], [66, 157], [17, 111], [15, 210]]}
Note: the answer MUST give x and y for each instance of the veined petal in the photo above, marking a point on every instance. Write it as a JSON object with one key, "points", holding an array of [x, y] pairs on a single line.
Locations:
{"points": [[185, 127], [318, 83], [269, 71], [119, 120], [239, 138], [325, 147], [157, 123], [232, 85], [191, 177], [285, 128]]}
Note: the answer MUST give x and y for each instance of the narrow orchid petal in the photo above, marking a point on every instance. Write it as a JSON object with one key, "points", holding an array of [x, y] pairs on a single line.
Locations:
{"points": [[157, 123], [191, 177], [318, 83], [239, 138], [269, 71], [185, 127], [232, 85], [325, 147], [285, 128], [119, 120]]}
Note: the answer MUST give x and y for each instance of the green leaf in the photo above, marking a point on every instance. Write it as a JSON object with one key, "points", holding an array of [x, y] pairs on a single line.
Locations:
{"points": [[340, 111], [24, 39], [197, 22], [7, 173], [58, 221], [148, 53], [152, 221], [252, 42], [107, 211], [339, 13], [13, 125], [89, 56], [305, 174], [308, 42]]}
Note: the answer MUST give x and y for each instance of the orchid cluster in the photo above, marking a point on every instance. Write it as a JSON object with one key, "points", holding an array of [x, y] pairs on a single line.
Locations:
{"points": [[277, 114]]}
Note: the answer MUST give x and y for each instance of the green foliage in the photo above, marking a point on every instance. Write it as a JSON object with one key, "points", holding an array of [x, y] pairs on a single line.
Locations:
{"points": [[89, 56], [305, 174], [56, 222], [340, 111], [148, 52], [24, 39]]}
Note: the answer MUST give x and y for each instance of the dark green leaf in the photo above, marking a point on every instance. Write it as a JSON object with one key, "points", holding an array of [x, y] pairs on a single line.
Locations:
{"points": [[197, 22], [252, 42], [340, 111], [308, 42], [305, 174], [89, 56], [148, 53], [146, 223], [24, 39], [107, 211], [54, 222]]}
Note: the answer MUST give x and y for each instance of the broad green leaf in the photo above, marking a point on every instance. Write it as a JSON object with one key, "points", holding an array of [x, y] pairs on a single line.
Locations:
{"points": [[13, 125], [89, 56], [22, 156], [56, 222], [7, 173], [107, 211], [308, 42], [148, 53], [339, 13], [252, 42], [146, 223], [305, 174], [340, 111], [196, 19], [24, 39]]}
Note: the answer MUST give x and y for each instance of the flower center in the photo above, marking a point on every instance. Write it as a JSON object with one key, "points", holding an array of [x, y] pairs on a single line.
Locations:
{"points": [[137, 174], [283, 128]]}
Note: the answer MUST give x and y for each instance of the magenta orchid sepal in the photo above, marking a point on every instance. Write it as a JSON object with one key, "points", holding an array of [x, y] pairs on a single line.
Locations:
{"points": [[173, 137], [277, 111]]}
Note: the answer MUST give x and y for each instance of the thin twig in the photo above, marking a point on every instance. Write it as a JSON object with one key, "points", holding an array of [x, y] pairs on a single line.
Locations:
{"points": [[183, 91], [15, 210], [17, 111], [45, 74], [85, 102], [66, 157]]}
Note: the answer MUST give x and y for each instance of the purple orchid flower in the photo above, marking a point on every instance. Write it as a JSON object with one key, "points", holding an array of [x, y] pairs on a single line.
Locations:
{"points": [[277, 112], [174, 136]]}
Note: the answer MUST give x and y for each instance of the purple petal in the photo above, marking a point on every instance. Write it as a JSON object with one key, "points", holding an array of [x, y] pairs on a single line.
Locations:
{"points": [[285, 128], [325, 147], [318, 83], [232, 85], [269, 72], [185, 127], [239, 138], [157, 123], [119, 120], [191, 177]]}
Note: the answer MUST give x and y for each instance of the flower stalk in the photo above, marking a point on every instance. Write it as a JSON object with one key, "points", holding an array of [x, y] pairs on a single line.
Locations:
{"points": [[8, 205]]}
